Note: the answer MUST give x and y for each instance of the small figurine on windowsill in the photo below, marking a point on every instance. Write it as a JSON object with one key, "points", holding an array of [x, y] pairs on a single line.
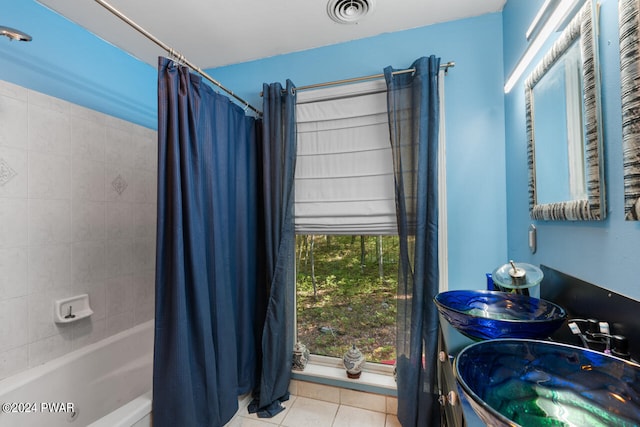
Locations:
{"points": [[353, 362], [300, 357]]}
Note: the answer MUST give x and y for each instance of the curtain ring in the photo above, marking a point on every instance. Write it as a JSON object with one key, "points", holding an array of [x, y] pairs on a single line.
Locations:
{"points": [[176, 57], [246, 107]]}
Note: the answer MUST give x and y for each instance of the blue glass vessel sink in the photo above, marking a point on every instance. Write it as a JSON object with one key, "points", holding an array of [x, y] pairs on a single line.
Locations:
{"points": [[529, 383], [491, 314]]}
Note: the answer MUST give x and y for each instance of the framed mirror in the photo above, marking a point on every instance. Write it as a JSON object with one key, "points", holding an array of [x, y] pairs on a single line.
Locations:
{"points": [[562, 95], [630, 79]]}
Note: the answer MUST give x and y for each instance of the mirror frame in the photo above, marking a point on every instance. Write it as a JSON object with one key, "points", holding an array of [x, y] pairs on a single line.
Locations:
{"points": [[630, 85], [593, 207]]}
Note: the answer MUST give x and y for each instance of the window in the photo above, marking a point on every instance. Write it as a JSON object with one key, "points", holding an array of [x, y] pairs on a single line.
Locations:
{"points": [[345, 211], [345, 294], [345, 223]]}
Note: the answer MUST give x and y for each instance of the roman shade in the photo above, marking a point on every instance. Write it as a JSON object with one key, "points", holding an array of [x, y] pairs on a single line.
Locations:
{"points": [[344, 175]]}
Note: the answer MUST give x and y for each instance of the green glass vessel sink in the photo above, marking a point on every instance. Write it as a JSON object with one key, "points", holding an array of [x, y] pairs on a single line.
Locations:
{"points": [[529, 383]]}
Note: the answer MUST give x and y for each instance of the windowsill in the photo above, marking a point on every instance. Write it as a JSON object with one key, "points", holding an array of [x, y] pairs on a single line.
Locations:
{"points": [[375, 377]]}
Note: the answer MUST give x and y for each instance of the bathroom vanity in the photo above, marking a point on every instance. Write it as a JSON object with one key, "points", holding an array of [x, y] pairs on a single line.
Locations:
{"points": [[456, 411], [581, 300]]}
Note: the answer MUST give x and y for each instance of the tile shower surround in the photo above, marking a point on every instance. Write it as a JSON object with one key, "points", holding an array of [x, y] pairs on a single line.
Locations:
{"points": [[77, 215]]}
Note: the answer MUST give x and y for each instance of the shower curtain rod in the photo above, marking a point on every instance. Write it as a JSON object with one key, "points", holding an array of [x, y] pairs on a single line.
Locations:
{"points": [[445, 67], [173, 54]]}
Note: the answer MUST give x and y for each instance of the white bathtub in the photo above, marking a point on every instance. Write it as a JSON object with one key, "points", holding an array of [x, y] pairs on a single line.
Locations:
{"points": [[86, 386]]}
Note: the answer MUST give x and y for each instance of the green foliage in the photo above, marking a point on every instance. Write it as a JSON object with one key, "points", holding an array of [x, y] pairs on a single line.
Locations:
{"points": [[351, 304]]}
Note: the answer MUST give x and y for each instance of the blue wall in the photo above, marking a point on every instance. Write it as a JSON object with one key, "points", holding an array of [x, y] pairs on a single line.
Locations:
{"points": [[67, 62], [600, 252], [474, 121]]}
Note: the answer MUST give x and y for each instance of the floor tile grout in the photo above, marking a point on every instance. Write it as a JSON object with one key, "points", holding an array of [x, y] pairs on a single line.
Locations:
{"points": [[295, 399]]}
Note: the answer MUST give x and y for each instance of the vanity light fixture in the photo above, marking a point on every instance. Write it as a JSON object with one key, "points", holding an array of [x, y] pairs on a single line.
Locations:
{"points": [[544, 11], [557, 17]]}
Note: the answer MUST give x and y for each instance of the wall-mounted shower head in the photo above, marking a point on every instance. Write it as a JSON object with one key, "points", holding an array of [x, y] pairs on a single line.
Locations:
{"points": [[14, 34]]}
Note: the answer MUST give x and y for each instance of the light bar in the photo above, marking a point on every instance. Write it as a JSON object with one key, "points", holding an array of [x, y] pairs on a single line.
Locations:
{"points": [[538, 17], [558, 16]]}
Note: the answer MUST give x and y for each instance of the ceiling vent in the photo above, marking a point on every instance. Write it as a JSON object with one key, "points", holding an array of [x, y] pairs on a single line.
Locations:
{"points": [[349, 11]]}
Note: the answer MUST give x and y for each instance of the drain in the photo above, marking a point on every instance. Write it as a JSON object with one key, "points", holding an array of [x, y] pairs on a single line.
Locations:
{"points": [[349, 11]]}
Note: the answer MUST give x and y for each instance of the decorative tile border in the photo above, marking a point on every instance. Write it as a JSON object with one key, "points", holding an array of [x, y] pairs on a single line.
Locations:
{"points": [[6, 172], [119, 184]]}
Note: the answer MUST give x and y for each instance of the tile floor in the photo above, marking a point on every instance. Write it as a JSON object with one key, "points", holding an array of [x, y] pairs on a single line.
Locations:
{"points": [[306, 412]]}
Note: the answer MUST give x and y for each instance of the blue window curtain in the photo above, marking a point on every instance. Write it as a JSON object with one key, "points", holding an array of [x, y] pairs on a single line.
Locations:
{"points": [[205, 325], [413, 107], [278, 160]]}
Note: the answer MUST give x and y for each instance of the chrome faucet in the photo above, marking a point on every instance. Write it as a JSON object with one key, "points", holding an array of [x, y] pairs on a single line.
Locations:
{"points": [[598, 334]]}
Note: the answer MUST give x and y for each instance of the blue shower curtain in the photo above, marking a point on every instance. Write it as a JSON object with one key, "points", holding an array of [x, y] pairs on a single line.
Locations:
{"points": [[277, 168], [206, 329], [413, 106]]}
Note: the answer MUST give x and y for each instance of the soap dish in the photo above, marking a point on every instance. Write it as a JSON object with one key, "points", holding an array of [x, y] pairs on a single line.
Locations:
{"points": [[72, 309]]}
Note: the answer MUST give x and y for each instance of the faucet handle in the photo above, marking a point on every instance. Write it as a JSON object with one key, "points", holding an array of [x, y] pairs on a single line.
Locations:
{"points": [[575, 329], [593, 326]]}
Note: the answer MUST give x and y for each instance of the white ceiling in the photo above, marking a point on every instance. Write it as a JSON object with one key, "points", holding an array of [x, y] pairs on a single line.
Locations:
{"points": [[212, 33]]}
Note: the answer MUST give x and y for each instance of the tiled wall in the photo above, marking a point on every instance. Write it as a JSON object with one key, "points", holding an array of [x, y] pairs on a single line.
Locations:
{"points": [[77, 215]]}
